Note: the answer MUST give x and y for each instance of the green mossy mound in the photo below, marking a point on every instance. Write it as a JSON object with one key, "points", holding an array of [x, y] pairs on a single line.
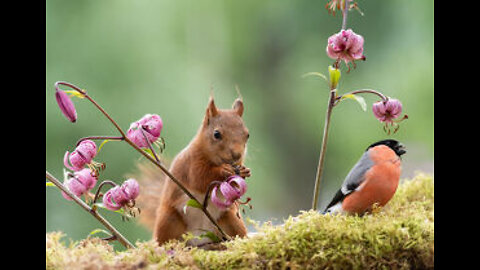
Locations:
{"points": [[398, 236]]}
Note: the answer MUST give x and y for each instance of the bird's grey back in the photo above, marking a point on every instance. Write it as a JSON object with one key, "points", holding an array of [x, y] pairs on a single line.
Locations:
{"points": [[357, 174]]}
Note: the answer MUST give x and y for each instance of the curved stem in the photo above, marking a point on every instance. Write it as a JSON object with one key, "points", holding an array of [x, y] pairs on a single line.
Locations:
{"points": [[106, 182], [94, 213], [323, 149], [207, 194], [371, 91], [84, 93], [363, 91], [111, 138]]}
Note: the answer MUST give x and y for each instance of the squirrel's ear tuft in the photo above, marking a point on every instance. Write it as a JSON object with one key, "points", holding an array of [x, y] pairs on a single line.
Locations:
{"points": [[238, 106], [211, 111]]}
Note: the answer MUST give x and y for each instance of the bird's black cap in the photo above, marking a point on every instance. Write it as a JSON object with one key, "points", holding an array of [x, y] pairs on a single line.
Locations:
{"points": [[396, 146]]}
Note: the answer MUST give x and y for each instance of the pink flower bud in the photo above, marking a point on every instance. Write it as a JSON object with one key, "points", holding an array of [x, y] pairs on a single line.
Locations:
{"points": [[386, 111], [152, 126], [82, 182], [346, 46], [82, 155], [66, 105]]}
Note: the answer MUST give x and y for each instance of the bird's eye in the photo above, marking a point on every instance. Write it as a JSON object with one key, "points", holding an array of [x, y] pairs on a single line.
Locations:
{"points": [[217, 135]]}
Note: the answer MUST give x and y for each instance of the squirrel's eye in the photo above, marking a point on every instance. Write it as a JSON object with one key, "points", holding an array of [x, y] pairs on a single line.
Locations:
{"points": [[217, 135], [248, 136]]}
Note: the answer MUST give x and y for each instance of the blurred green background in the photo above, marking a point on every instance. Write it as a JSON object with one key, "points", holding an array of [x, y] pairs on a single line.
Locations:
{"points": [[164, 57]]}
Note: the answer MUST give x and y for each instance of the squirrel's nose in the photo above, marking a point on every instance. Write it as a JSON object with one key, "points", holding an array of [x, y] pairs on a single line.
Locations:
{"points": [[236, 155]]}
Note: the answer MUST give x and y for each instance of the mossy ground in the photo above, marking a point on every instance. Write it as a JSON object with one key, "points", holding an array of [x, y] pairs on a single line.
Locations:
{"points": [[398, 236]]}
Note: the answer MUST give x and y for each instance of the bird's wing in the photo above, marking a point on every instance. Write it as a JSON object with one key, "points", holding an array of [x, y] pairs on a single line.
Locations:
{"points": [[355, 177]]}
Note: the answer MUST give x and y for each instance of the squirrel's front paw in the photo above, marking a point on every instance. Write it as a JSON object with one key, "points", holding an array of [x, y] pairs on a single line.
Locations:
{"points": [[226, 170], [242, 171]]}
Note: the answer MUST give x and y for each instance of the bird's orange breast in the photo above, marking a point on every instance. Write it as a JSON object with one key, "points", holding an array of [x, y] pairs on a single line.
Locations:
{"points": [[381, 182]]}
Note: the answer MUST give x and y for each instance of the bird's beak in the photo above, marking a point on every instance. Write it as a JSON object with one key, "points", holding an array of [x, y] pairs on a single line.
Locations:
{"points": [[401, 149]]}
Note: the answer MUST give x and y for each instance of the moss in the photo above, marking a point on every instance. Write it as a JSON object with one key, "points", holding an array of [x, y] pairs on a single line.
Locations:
{"points": [[399, 236]]}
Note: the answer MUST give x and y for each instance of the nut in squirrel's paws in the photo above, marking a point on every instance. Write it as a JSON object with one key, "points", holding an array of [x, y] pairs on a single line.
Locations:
{"points": [[242, 171]]}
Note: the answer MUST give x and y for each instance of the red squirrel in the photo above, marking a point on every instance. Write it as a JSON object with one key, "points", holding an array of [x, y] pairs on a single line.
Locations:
{"points": [[216, 152]]}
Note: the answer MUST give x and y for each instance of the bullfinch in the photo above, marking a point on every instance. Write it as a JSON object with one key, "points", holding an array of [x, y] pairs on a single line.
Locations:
{"points": [[374, 179]]}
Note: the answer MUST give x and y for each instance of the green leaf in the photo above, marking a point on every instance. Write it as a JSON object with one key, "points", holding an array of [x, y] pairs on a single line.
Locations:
{"points": [[192, 203], [315, 74], [359, 99], [149, 152], [120, 211], [211, 236], [101, 145], [98, 231], [74, 93]]}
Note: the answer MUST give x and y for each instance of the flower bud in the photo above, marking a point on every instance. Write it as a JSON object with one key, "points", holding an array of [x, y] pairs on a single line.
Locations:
{"points": [[152, 126], [66, 105], [334, 76]]}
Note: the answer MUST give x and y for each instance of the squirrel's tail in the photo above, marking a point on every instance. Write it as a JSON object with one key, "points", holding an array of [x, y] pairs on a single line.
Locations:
{"points": [[151, 180]]}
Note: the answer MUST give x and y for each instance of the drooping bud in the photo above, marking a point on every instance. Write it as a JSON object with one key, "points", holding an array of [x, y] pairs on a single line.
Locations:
{"points": [[66, 105]]}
